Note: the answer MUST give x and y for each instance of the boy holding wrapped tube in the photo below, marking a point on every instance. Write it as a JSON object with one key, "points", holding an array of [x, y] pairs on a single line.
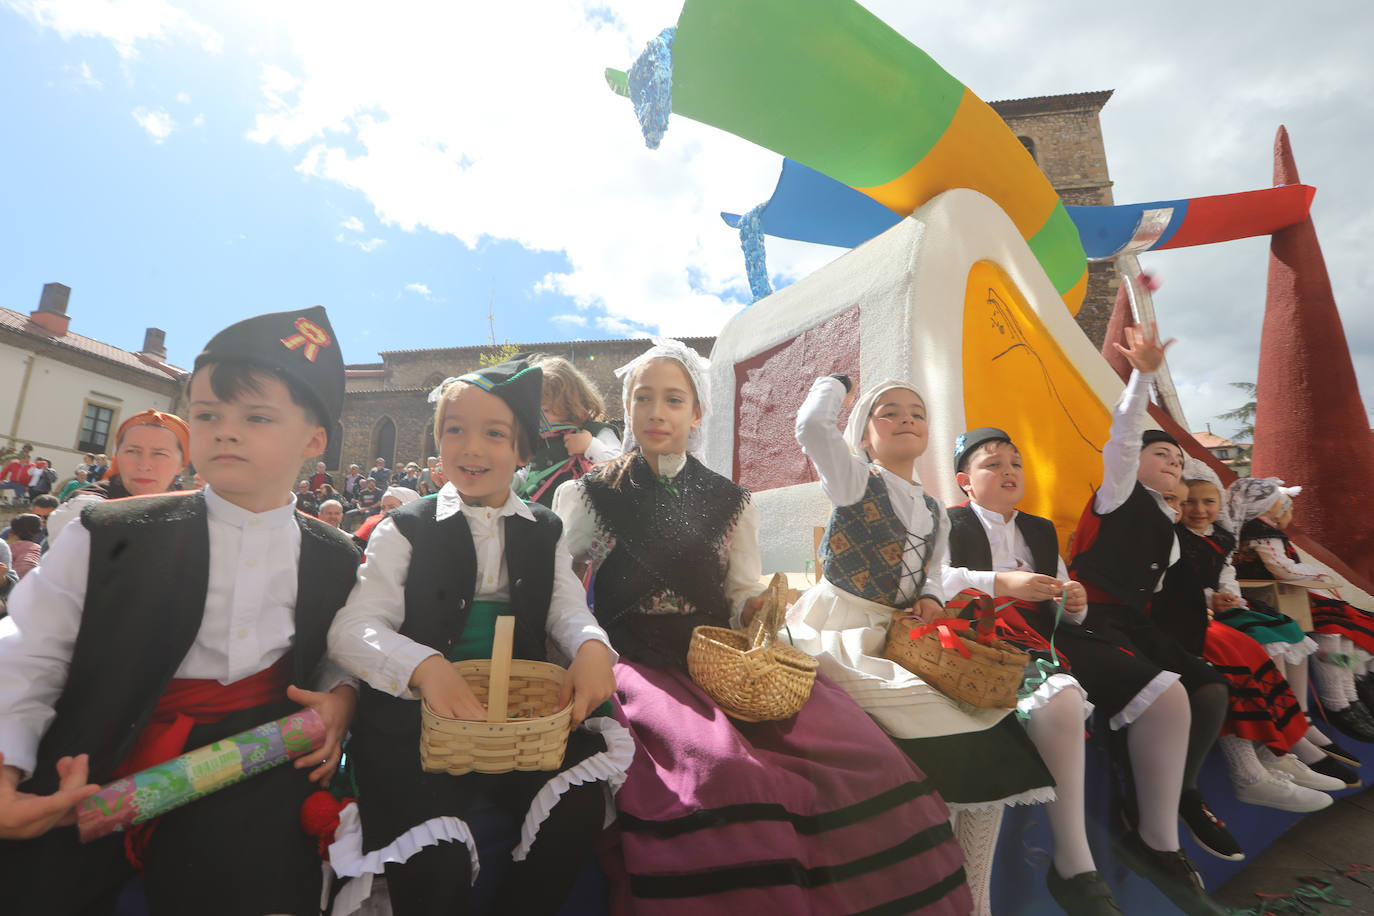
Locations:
{"points": [[167, 622]]}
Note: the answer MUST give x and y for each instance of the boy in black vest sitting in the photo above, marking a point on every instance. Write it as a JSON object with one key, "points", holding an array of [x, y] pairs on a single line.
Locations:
{"points": [[998, 551], [166, 622], [439, 572], [1173, 702]]}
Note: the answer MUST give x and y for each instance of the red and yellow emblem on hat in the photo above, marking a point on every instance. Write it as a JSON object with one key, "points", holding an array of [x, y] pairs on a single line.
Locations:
{"points": [[309, 335]]}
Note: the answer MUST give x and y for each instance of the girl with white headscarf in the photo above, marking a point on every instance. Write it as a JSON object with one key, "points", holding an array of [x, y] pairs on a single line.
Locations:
{"points": [[880, 559], [1262, 736], [1261, 508], [669, 546]]}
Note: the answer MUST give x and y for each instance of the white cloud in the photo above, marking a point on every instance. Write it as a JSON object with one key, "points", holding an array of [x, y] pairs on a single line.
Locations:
{"points": [[198, 121], [126, 23], [419, 289], [184, 98], [368, 246], [576, 321], [158, 123], [353, 224], [83, 75]]}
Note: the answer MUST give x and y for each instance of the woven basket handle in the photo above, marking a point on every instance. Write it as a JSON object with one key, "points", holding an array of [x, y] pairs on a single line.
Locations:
{"points": [[498, 688], [768, 620]]}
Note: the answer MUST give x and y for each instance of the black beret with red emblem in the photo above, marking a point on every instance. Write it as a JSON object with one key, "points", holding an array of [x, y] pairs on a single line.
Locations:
{"points": [[300, 344]]}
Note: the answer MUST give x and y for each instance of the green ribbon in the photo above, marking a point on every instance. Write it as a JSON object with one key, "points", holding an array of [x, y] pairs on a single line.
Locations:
{"points": [[1043, 669]]}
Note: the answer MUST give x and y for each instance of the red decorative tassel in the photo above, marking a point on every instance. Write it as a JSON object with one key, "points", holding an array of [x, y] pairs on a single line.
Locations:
{"points": [[320, 818]]}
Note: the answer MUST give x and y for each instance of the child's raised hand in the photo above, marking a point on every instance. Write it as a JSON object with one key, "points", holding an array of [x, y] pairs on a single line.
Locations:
{"points": [[1144, 351], [577, 442], [1029, 586], [928, 609], [23, 815], [445, 690], [335, 708], [1075, 597], [590, 681]]}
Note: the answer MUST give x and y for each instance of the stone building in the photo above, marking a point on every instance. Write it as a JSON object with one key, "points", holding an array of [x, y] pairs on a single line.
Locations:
{"points": [[385, 410], [1064, 135]]}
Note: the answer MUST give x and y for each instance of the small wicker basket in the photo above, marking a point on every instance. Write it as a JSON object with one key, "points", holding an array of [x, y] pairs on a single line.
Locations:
{"points": [[989, 677], [753, 677], [533, 737]]}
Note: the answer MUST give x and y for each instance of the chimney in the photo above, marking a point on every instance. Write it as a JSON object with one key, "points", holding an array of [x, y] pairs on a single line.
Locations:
{"points": [[51, 315], [155, 344]]}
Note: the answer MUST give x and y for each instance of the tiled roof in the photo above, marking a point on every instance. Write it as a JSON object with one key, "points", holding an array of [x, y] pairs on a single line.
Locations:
{"points": [[20, 323], [1208, 440]]}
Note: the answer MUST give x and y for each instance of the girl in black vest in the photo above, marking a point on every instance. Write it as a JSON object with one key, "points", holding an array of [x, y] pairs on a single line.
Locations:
{"points": [[1264, 726], [717, 815], [438, 573], [574, 435]]}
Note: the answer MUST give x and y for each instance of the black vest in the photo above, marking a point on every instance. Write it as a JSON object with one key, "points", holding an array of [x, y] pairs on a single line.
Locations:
{"points": [[1180, 607], [969, 547], [440, 586], [145, 598], [1128, 550]]}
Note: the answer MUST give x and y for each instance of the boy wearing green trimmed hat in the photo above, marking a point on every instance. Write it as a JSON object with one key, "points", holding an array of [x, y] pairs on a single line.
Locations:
{"points": [[438, 573], [167, 622]]}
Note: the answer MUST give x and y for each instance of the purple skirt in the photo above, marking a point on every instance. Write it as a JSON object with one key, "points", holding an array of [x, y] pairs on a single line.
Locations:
{"points": [[820, 813]]}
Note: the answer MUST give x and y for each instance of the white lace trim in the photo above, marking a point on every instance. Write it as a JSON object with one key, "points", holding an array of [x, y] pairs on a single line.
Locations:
{"points": [[1142, 701], [608, 766], [349, 861], [1038, 796], [1046, 691], [1291, 652]]}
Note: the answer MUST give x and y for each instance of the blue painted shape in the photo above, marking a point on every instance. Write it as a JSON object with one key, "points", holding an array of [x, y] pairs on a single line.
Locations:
{"points": [[809, 206], [1105, 230]]}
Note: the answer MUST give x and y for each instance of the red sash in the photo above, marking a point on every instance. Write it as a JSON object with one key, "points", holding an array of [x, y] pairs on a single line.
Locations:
{"points": [[188, 702]]}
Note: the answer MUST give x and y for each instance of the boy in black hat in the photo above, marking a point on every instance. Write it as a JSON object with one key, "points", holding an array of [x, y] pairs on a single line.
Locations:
{"points": [[439, 572], [1124, 542], [167, 622]]}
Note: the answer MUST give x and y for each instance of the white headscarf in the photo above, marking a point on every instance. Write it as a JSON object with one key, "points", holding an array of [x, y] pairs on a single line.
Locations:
{"points": [[693, 363], [404, 494], [1251, 497], [858, 417]]}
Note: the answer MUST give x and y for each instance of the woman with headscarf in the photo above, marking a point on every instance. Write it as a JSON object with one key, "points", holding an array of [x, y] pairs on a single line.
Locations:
{"points": [[394, 498], [1260, 509], [151, 450], [718, 815]]}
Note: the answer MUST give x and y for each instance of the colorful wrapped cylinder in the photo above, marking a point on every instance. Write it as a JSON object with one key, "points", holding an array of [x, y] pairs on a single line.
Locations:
{"points": [[167, 786]]}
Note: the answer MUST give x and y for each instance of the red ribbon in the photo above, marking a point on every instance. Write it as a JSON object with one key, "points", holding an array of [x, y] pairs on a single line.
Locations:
{"points": [[945, 626]]}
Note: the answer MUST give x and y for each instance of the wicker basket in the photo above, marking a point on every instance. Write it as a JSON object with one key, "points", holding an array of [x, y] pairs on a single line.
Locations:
{"points": [[990, 676], [753, 677], [533, 737]]}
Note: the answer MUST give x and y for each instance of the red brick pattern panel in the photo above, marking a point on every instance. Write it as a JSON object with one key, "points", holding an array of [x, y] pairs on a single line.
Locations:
{"points": [[769, 390]]}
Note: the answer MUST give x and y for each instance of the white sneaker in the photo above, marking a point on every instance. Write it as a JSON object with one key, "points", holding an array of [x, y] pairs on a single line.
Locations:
{"points": [[1302, 774], [1277, 790]]}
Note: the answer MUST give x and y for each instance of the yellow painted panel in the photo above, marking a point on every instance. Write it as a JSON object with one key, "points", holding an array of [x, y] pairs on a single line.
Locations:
{"points": [[1017, 378]]}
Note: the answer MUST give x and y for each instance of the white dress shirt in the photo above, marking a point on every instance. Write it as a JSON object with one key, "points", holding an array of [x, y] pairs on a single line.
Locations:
{"points": [[247, 625], [365, 638], [590, 543], [844, 479]]}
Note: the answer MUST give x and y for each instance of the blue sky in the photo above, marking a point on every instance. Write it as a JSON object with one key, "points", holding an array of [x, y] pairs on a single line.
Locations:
{"points": [[186, 164]]}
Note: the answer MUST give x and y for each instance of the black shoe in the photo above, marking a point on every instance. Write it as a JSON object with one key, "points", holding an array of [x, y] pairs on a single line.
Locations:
{"points": [[1207, 829], [1328, 766], [1354, 721], [1171, 872], [1338, 753], [1364, 686], [1085, 894]]}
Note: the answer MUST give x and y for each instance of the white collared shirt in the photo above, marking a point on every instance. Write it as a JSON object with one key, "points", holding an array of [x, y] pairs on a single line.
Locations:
{"points": [[247, 625], [844, 479], [365, 638]]}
